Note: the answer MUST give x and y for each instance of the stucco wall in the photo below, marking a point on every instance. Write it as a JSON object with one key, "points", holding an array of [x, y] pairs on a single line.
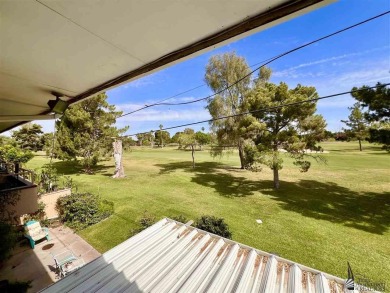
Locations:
{"points": [[50, 200], [27, 204]]}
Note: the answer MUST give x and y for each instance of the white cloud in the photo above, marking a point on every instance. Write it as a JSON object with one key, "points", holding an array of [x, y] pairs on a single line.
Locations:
{"points": [[292, 72]]}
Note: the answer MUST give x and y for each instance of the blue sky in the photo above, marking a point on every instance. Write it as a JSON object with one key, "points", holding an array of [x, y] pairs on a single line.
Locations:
{"points": [[353, 58]]}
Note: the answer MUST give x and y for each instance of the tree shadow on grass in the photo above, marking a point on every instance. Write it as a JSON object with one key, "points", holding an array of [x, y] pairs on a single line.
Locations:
{"points": [[367, 211], [73, 167]]}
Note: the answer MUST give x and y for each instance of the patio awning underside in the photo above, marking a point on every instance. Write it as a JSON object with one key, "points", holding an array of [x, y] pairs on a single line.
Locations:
{"points": [[79, 48]]}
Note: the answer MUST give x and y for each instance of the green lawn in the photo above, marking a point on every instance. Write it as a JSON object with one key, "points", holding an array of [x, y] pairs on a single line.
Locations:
{"points": [[335, 213]]}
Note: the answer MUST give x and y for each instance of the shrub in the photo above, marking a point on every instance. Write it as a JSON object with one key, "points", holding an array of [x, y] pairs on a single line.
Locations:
{"points": [[80, 210], [8, 238], [180, 218], [213, 225], [147, 220]]}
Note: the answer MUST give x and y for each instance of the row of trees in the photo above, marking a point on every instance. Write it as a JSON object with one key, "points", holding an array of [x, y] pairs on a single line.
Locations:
{"points": [[29, 137], [161, 138]]}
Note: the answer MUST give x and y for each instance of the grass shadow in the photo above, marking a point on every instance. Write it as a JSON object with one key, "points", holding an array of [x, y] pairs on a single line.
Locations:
{"points": [[73, 167], [367, 211]]}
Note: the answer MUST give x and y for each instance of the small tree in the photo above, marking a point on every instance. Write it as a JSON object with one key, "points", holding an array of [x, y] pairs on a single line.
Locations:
{"points": [[221, 72], [357, 127], [294, 128], [188, 140]]}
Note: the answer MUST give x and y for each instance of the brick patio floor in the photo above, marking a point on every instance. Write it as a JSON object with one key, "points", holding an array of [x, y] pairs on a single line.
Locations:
{"points": [[37, 264]]}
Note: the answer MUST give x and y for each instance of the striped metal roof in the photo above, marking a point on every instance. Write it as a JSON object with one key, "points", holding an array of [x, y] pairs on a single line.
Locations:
{"points": [[173, 257]]}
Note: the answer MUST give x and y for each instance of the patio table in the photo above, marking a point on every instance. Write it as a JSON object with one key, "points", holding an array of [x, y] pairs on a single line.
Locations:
{"points": [[67, 262]]}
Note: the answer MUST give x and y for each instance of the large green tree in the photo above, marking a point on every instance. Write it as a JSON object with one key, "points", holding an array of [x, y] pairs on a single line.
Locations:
{"points": [[377, 102], [86, 130], [221, 72], [29, 137], [357, 124], [293, 129]]}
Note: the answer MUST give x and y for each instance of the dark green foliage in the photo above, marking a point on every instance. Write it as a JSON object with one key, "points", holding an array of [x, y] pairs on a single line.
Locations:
{"points": [[8, 238], [357, 124], [85, 131], [214, 225], [128, 142], [377, 103], [162, 137], [202, 138], [145, 139], [29, 137], [377, 100], [175, 138], [341, 136], [15, 286], [147, 220], [180, 218], [81, 210], [381, 136], [8, 199], [295, 128]]}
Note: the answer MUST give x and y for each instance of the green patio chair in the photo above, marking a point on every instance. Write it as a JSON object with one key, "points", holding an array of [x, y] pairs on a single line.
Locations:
{"points": [[34, 232]]}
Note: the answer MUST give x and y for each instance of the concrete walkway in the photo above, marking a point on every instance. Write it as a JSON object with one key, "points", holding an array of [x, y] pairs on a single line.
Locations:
{"points": [[38, 265]]}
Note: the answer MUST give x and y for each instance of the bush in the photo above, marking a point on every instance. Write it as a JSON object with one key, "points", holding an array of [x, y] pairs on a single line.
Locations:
{"points": [[147, 220], [8, 238], [80, 210], [180, 218], [214, 225]]}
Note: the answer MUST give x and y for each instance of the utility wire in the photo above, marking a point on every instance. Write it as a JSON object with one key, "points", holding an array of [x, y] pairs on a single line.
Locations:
{"points": [[176, 95], [264, 63], [261, 110]]}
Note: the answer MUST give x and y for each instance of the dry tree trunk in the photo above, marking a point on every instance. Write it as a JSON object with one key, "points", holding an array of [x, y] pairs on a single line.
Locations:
{"points": [[119, 172]]}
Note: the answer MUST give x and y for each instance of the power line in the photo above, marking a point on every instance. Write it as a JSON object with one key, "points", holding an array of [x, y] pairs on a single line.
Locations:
{"points": [[176, 95], [260, 110], [264, 63]]}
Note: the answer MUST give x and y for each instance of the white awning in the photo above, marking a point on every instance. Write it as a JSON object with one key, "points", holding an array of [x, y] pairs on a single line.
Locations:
{"points": [[77, 48]]}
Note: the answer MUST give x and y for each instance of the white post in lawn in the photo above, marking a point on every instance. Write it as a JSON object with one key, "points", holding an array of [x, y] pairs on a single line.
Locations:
{"points": [[119, 172]]}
